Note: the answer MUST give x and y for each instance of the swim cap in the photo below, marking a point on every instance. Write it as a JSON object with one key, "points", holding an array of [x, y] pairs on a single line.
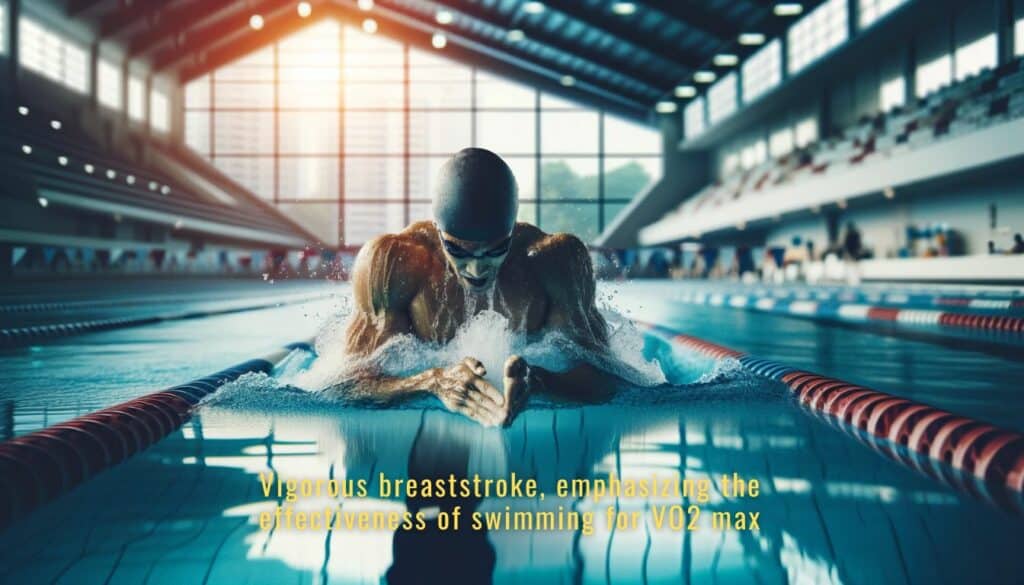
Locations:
{"points": [[476, 197]]}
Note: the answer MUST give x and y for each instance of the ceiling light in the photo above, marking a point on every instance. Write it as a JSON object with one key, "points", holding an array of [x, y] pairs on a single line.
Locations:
{"points": [[889, 192], [23, 110], [366, 5], [444, 17], [439, 41], [568, 80], [305, 9], [111, 174], [751, 39], [165, 190], [725, 60], [153, 185], [55, 124], [665, 107], [89, 168], [623, 8], [62, 161], [533, 7], [515, 35], [369, 26], [788, 9], [43, 201], [704, 76], [179, 224], [256, 22], [130, 179], [26, 149], [685, 91]]}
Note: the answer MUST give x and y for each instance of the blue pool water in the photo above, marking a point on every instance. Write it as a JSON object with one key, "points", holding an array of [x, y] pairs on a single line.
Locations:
{"points": [[831, 510]]}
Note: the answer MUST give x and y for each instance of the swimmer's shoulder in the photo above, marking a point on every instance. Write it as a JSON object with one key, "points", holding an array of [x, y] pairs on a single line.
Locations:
{"points": [[396, 263], [557, 247], [556, 257]]}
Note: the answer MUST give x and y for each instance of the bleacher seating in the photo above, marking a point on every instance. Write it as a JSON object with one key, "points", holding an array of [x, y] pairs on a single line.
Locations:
{"points": [[991, 97], [46, 152]]}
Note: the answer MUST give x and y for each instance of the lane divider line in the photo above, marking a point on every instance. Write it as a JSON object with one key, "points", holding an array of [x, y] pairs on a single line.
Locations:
{"points": [[856, 311], [40, 466], [20, 336], [967, 455]]}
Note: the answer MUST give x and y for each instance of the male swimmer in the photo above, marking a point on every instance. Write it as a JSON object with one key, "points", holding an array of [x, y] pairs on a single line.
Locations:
{"points": [[418, 282]]}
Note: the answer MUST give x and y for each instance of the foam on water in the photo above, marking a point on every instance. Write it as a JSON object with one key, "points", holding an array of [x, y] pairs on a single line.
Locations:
{"points": [[487, 337]]}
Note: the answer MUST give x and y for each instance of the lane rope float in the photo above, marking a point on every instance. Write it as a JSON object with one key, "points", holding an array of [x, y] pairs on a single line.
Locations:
{"points": [[856, 312], [967, 455], [37, 467]]}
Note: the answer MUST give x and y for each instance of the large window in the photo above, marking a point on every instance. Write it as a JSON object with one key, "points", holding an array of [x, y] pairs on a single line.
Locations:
{"points": [[346, 132], [806, 132], [1019, 36], [3, 29], [976, 56], [722, 98], [108, 79], [892, 93], [136, 99], [872, 10], [934, 75], [780, 143], [693, 118], [159, 111], [817, 33], [52, 56], [762, 71]]}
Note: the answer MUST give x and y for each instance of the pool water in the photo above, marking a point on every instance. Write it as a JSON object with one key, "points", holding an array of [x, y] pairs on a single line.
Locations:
{"points": [[830, 509]]}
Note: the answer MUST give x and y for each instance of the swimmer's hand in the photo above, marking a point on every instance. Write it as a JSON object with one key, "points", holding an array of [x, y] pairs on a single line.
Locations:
{"points": [[520, 382], [462, 388]]}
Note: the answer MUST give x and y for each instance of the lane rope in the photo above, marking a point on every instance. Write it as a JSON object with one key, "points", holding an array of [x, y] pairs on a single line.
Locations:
{"points": [[967, 455]]}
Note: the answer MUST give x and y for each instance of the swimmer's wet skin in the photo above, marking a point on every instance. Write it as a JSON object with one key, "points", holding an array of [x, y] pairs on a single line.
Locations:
{"points": [[434, 276]]}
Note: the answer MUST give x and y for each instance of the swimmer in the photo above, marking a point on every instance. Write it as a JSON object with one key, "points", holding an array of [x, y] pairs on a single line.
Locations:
{"points": [[435, 275]]}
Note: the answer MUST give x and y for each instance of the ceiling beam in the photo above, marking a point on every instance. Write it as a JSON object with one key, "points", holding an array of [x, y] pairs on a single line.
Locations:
{"points": [[233, 23], [76, 8], [139, 12], [637, 108], [174, 23], [624, 32], [693, 15], [615, 67]]}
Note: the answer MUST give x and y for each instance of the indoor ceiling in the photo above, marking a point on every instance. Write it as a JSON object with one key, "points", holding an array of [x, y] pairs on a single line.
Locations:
{"points": [[618, 55]]}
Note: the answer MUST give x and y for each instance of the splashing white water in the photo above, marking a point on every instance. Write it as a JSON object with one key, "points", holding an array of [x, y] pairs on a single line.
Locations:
{"points": [[487, 337]]}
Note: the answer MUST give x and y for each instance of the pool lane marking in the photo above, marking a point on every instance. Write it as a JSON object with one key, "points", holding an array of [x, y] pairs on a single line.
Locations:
{"points": [[19, 336], [970, 456], [38, 467], [858, 312]]}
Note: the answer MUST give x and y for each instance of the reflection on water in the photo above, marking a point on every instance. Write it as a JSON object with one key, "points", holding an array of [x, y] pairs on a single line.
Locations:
{"points": [[831, 511]]}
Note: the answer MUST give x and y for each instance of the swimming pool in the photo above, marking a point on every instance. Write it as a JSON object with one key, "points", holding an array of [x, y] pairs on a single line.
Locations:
{"points": [[831, 510]]}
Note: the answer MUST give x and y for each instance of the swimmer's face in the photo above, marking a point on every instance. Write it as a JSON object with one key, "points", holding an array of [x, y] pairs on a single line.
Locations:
{"points": [[476, 263]]}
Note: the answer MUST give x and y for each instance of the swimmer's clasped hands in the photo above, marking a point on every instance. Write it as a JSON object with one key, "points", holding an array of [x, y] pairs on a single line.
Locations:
{"points": [[463, 389]]}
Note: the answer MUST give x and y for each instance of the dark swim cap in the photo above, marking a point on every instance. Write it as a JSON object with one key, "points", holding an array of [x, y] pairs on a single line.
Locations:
{"points": [[476, 197]]}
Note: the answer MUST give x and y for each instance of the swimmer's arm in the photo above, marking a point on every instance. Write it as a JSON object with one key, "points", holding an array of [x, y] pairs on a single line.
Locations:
{"points": [[385, 279], [388, 274], [568, 279]]}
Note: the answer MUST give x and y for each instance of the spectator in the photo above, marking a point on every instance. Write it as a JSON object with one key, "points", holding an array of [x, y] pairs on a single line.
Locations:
{"points": [[992, 247], [1018, 244], [852, 244]]}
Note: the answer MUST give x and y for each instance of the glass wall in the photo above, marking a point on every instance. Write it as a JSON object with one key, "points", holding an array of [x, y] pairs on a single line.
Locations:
{"points": [[52, 56], [345, 131], [817, 33]]}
